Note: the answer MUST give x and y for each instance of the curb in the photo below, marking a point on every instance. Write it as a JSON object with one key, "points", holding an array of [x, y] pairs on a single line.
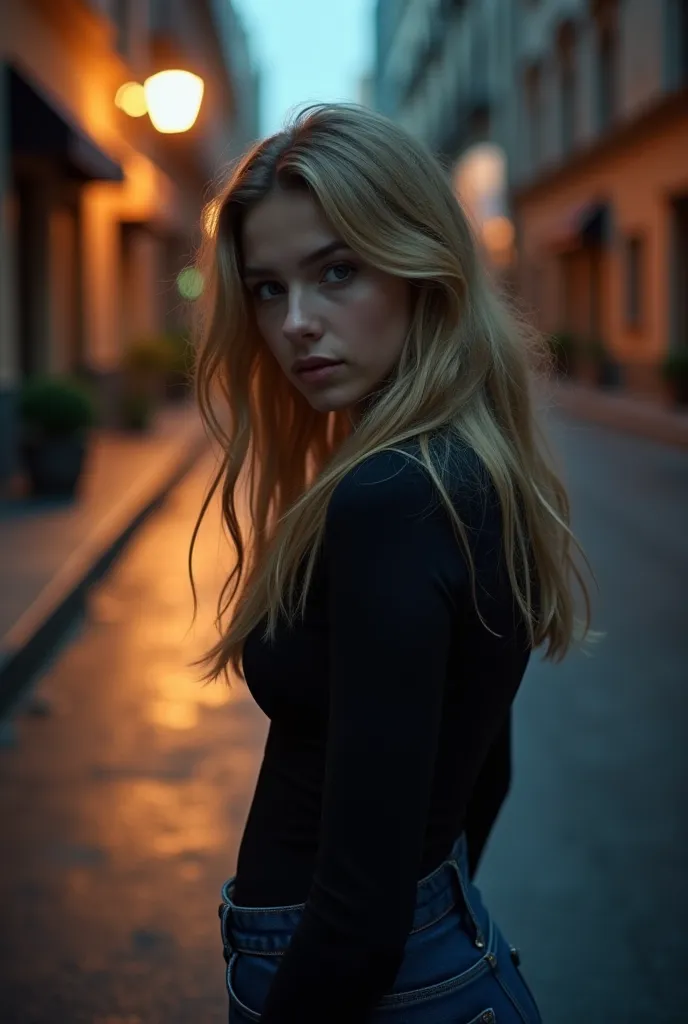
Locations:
{"points": [[616, 413], [28, 645]]}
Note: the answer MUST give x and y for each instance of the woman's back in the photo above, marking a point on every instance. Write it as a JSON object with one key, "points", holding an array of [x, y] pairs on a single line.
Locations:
{"points": [[386, 699]]}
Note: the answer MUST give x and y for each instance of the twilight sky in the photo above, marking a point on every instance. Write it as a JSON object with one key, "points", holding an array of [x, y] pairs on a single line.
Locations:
{"points": [[307, 50]]}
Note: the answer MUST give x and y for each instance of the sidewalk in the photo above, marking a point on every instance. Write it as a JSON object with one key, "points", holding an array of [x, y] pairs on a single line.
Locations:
{"points": [[619, 411], [50, 552]]}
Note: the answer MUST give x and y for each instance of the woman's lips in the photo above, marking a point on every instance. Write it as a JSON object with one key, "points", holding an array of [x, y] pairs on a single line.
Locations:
{"points": [[319, 373]]}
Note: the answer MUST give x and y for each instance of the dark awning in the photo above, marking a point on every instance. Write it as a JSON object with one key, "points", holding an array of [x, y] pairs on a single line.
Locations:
{"points": [[40, 129], [580, 225]]}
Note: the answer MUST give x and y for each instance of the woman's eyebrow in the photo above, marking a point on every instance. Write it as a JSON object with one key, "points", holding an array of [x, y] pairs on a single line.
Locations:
{"points": [[313, 257]]}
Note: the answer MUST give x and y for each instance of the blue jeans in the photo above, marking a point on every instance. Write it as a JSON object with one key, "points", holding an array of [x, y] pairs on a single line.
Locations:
{"points": [[457, 969]]}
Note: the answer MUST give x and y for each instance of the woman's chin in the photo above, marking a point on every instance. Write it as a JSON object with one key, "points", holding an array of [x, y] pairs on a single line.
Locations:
{"points": [[321, 404], [328, 401]]}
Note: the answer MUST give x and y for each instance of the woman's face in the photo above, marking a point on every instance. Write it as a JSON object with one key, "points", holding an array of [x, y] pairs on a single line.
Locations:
{"points": [[314, 297]]}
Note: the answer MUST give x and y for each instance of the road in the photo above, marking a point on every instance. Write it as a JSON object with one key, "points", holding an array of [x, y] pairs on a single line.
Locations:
{"points": [[124, 794], [586, 866]]}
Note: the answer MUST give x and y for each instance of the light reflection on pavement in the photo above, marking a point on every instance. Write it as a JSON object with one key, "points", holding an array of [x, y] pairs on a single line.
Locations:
{"points": [[124, 806]]}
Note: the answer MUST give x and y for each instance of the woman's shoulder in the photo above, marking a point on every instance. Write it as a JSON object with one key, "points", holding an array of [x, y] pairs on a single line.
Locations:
{"points": [[398, 477], [380, 483]]}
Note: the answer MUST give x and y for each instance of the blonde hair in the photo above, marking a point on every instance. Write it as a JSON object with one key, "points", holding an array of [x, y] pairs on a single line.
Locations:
{"points": [[466, 371]]}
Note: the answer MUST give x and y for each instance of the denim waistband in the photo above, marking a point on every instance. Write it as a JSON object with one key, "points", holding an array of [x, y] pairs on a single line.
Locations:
{"points": [[268, 930]]}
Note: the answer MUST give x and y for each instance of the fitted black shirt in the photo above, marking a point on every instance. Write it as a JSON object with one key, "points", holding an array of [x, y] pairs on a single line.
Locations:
{"points": [[389, 706]]}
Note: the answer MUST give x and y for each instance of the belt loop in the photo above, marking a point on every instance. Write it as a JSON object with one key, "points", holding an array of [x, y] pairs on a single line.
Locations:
{"points": [[479, 939], [224, 911]]}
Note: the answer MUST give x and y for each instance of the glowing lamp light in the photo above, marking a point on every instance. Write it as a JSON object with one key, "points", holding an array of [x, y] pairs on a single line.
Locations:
{"points": [[131, 98], [174, 99]]}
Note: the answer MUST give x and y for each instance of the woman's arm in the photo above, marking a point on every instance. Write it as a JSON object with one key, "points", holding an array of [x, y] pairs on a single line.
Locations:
{"points": [[489, 794]]}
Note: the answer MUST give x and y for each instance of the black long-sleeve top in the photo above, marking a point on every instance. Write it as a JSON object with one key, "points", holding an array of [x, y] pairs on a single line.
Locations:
{"points": [[390, 711]]}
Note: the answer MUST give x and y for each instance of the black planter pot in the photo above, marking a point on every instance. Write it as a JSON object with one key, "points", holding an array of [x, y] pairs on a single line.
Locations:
{"points": [[678, 388], [54, 464], [610, 374]]}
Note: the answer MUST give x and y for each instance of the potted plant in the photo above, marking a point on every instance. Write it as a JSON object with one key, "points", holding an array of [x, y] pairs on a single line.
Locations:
{"points": [[146, 363], [56, 414], [562, 347], [136, 410], [675, 374]]}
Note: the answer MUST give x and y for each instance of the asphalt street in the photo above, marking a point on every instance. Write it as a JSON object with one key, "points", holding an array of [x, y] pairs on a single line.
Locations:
{"points": [[124, 784]]}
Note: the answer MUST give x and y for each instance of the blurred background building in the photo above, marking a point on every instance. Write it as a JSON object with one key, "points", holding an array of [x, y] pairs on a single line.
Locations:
{"points": [[564, 124], [99, 211]]}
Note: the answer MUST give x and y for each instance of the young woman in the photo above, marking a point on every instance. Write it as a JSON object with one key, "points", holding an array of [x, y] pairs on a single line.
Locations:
{"points": [[406, 547]]}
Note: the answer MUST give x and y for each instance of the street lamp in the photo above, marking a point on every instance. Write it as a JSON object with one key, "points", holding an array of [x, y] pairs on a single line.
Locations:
{"points": [[171, 98], [131, 98], [174, 99]]}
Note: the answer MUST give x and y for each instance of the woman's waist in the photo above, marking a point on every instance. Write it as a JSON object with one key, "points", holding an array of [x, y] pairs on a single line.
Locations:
{"points": [[275, 867], [263, 909]]}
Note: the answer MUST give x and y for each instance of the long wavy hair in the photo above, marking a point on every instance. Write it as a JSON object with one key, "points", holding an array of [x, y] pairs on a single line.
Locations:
{"points": [[466, 371]]}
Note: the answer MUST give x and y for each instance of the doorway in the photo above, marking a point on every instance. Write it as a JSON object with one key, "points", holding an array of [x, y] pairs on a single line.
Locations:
{"points": [[678, 320]]}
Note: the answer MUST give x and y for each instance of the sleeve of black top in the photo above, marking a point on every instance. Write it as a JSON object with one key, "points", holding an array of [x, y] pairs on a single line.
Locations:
{"points": [[489, 793], [394, 569]]}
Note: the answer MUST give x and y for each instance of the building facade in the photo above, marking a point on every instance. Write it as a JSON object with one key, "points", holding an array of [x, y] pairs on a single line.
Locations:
{"points": [[388, 16], [99, 212], [587, 103]]}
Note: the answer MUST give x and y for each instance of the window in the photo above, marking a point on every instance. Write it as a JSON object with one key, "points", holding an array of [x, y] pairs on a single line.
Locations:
{"points": [[607, 62], [679, 272], [567, 87], [682, 41], [634, 281], [480, 55], [676, 43], [534, 114], [606, 80]]}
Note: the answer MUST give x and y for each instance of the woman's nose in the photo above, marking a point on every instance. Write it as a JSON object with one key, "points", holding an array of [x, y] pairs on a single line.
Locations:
{"points": [[300, 319]]}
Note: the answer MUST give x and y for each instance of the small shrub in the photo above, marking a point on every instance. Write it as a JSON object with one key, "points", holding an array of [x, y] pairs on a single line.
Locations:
{"points": [[56, 406], [148, 355], [675, 365]]}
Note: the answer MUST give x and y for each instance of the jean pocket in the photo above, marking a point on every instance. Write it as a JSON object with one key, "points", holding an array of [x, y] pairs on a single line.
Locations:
{"points": [[236, 1015], [514, 985], [239, 1012]]}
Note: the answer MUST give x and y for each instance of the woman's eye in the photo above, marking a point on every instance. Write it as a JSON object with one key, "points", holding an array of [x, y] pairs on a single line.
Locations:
{"points": [[341, 272], [338, 273], [265, 290]]}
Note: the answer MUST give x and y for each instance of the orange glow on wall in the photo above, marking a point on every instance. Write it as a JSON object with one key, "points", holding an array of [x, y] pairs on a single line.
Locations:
{"points": [[498, 234]]}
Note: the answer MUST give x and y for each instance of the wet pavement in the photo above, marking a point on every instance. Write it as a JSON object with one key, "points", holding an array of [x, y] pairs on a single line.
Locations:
{"points": [[122, 807], [586, 869], [124, 793]]}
